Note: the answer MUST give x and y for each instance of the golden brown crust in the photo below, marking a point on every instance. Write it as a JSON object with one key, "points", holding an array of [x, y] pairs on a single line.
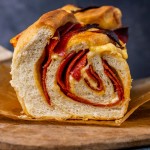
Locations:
{"points": [[69, 8], [108, 17], [15, 39], [52, 20], [89, 37], [55, 19]]}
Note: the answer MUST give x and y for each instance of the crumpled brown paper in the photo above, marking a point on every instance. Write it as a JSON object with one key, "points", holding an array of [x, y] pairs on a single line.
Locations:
{"points": [[10, 107]]}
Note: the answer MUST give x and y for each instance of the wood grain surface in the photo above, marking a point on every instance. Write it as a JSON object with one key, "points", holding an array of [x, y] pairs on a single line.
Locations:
{"points": [[28, 135]]}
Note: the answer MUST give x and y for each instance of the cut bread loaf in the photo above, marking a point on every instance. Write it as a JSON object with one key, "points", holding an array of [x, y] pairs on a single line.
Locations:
{"points": [[64, 70]]}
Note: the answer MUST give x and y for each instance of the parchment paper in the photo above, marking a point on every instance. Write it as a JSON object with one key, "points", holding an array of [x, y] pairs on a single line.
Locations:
{"points": [[10, 107]]}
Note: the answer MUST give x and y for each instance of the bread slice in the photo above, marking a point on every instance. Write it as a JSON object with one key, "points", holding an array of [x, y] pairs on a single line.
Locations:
{"points": [[27, 57], [27, 63], [106, 50], [108, 17]]}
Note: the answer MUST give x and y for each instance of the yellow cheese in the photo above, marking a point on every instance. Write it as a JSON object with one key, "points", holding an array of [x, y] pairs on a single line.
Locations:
{"points": [[97, 43]]}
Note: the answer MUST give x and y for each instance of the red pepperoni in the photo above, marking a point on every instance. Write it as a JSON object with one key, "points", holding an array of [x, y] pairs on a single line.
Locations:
{"points": [[49, 50], [58, 46], [118, 87], [76, 70], [60, 77], [72, 65], [92, 74], [122, 34], [64, 70]]}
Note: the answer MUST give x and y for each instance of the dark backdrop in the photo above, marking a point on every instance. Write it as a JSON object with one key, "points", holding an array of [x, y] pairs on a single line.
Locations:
{"points": [[16, 15]]}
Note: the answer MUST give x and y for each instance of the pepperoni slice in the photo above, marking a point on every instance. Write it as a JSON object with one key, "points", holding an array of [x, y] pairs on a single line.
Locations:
{"points": [[60, 77], [122, 34], [76, 70], [112, 76], [64, 70], [49, 50], [58, 46], [92, 74], [72, 65], [79, 55]]}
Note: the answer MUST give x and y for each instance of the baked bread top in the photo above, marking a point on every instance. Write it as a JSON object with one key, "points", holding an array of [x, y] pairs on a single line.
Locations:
{"points": [[108, 17], [51, 20]]}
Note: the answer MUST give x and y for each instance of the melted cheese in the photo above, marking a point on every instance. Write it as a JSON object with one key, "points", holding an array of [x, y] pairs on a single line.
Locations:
{"points": [[97, 43], [110, 48]]}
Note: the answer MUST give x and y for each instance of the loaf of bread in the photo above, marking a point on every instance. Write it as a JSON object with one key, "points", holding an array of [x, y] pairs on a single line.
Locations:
{"points": [[62, 69]]}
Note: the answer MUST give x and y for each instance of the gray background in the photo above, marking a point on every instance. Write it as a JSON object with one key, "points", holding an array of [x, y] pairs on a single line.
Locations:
{"points": [[16, 15]]}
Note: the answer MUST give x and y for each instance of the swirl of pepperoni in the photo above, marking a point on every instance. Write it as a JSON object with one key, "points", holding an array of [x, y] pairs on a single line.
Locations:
{"points": [[72, 64]]}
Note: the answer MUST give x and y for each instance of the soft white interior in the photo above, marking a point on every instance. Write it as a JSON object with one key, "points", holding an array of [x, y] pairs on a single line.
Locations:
{"points": [[23, 79], [80, 110], [81, 89], [63, 107]]}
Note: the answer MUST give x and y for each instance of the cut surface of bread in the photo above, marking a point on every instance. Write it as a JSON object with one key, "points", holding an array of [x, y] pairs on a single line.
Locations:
{"points": [[63, 70], [28, 52]]}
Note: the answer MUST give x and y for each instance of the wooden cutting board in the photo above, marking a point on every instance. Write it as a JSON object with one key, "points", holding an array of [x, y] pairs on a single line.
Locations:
{"points": [[134, 132], [27, 135]]}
